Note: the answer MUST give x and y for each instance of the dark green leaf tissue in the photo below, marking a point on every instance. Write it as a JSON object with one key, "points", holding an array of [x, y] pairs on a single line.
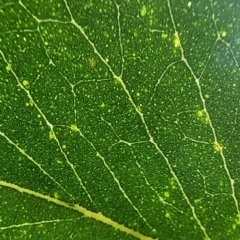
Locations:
{"points": [[119, 120]]}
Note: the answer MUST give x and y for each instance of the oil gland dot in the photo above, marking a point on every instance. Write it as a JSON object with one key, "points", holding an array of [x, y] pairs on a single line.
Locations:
{"points": [[206, 120], [223, 33], [74, 128], [164, 35], [51, 135], [217, 147], [25, 83], [8, 67], [56, 195], [167, 215], [166, 194], [200, 113], [31, 102], [143, 11], [207, 96], [92, 63], [176, 42]]}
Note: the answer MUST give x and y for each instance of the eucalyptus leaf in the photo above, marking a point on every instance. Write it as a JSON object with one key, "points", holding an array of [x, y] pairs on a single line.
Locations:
{"points": [[120, 119]]}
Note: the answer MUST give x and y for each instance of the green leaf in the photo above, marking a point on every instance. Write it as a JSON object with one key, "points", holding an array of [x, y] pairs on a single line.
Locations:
{"points": [[119, 119]]}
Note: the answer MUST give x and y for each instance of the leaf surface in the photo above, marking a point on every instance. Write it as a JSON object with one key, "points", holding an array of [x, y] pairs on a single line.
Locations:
{"points": [[119, 120]]}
